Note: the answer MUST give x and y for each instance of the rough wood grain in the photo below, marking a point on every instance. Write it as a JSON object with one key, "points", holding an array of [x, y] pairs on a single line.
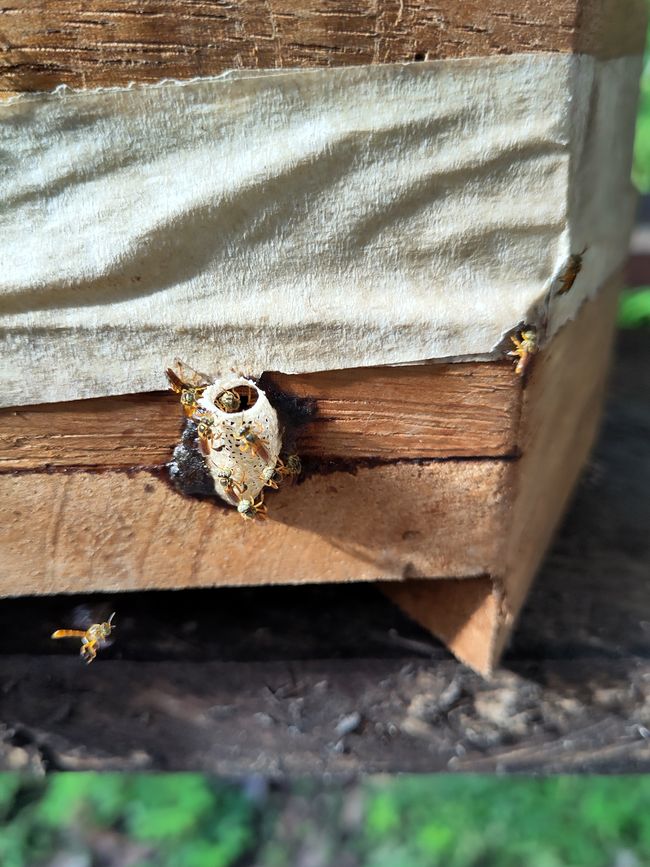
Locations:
{"points": [[94, 43], [483, 520], [557, 431], [562, 410], [429, 411], [255, 680], [101, 531]]}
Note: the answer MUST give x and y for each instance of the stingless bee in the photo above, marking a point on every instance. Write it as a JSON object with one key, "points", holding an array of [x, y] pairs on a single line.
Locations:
{"points": [[189, 384], [525, 347], [249, 509], [231, 487], [293, 465], [251, 440], [205, 430], [569, 273], [229, 401], [91, 639], [274, 476]]}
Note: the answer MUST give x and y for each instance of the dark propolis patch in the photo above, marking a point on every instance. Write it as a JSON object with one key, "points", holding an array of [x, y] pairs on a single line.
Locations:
{"points": [[187, 470]]}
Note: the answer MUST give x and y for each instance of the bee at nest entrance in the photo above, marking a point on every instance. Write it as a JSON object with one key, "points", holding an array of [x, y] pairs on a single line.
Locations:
{"points": [[232, 443], [237, 399]]}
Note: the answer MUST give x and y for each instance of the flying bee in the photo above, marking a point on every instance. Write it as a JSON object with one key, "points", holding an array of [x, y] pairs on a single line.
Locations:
{"points": [[251, 440], [91, 639], [231, 487], [228, 401], [569, 273], [249, 509], [525, 347], [189, 384], [205, 430]]}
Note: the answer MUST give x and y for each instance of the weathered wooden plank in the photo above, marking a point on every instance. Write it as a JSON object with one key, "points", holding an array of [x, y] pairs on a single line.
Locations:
{"points": [[94, 43], [563, 405], [253, 680], [486, 520], [559, 424], [116, 530], [429, 411]]}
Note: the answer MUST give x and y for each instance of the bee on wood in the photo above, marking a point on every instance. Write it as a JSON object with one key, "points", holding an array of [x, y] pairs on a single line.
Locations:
{"points": [[251, 440], [229, 401], [293, 465], [189, 384], [249, 509], [91, 639], [231, 487], [567, 276], [274, 476], [525, 347], [205, 430]]}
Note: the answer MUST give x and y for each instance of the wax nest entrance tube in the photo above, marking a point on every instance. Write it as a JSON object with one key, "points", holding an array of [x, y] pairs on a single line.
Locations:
{"points": [[244, 445]]}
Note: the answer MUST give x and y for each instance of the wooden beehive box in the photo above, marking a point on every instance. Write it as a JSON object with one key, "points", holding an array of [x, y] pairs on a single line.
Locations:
{"points": [[364, 212]]}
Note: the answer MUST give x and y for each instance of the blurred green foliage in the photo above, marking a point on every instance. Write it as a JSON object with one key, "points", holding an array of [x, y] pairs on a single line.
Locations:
{"points": [[188, 820], [480, 821], [182, 820], [634, 310]]}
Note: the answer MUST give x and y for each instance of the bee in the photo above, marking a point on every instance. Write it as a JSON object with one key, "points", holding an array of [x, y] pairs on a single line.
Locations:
{"points": [[293, 465], [252, 441], [231, 487], [274, 476], [91, 639], [525, 347], [569, 273], [189, 384], [271, 476], [205, 429], [249, 509], [229, 401]]}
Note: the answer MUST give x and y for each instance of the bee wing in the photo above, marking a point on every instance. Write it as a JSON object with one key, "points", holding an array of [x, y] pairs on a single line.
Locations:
{"points": [[175, 381], [84, 616], [262, 451], [189, 376]]}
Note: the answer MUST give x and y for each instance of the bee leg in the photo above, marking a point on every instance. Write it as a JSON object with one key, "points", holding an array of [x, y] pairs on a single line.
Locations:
{"points": [[522, 364], [88, 651]]}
